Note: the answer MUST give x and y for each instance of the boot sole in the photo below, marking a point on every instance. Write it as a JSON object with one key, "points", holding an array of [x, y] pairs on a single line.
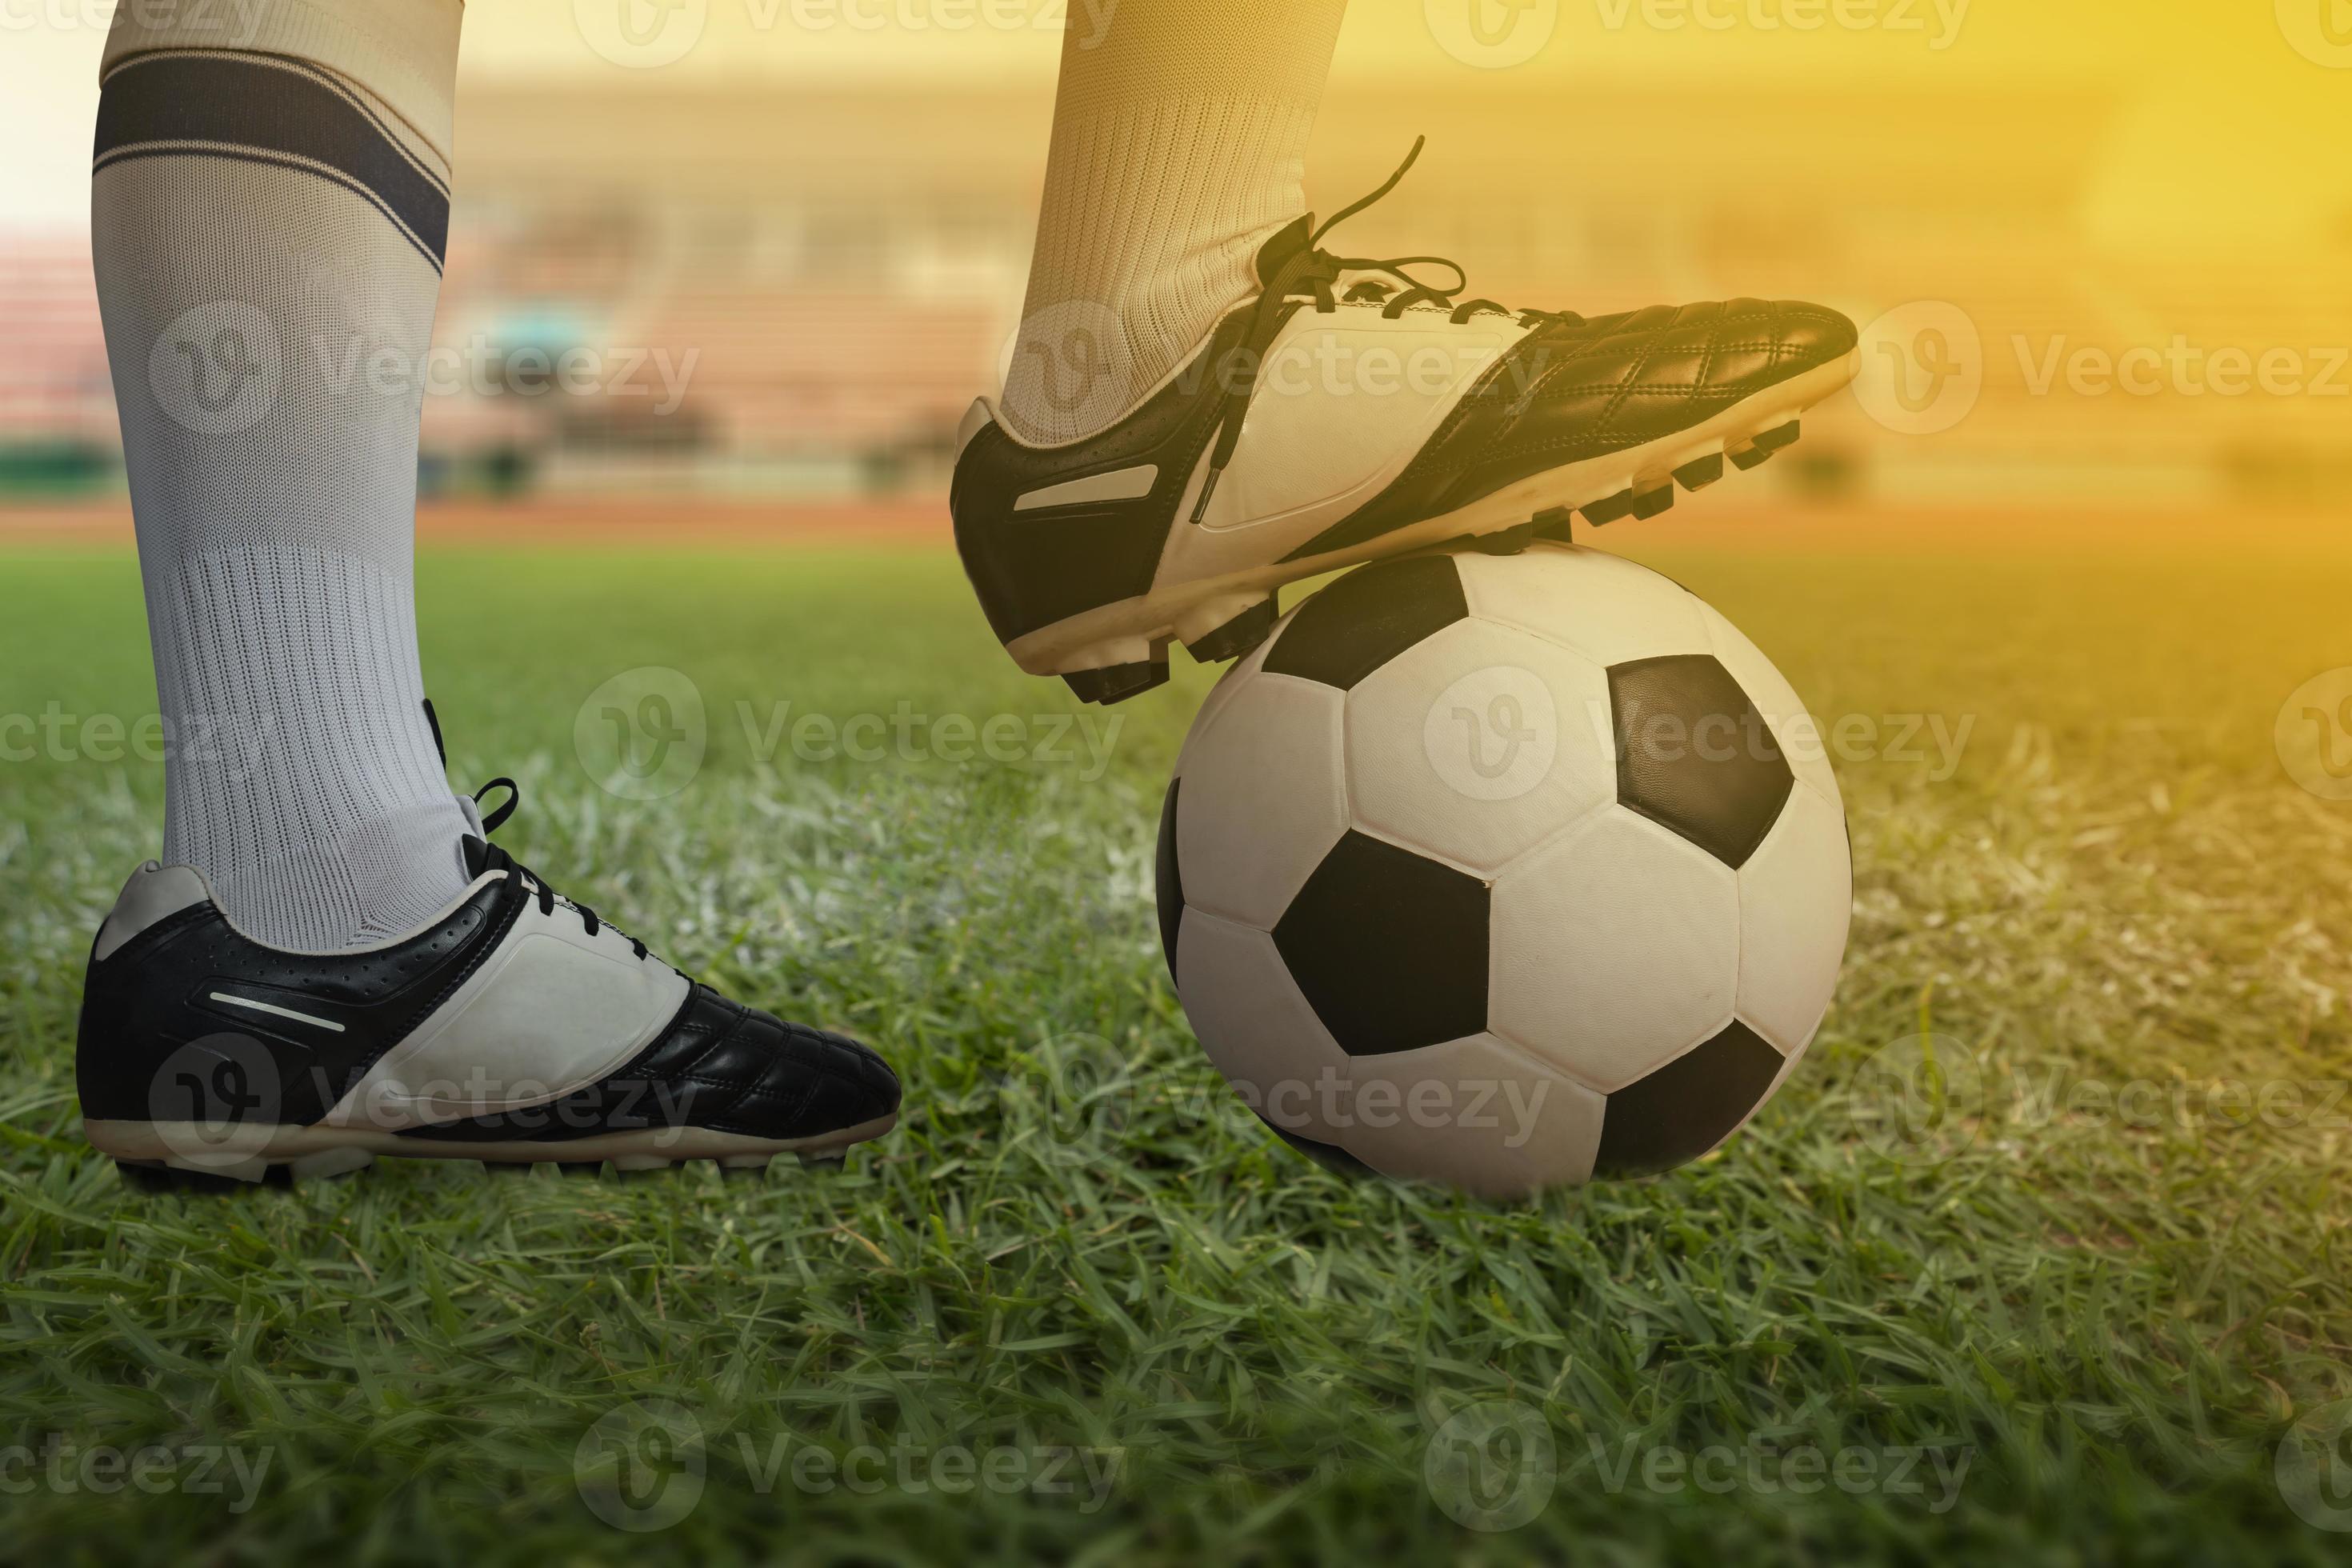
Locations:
{"points": [[189, 1156]]}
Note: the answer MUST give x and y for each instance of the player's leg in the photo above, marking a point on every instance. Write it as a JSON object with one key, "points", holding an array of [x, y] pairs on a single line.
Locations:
{"points": [[1179, 149], [268, 224], [332, 949], [1204, 403]]}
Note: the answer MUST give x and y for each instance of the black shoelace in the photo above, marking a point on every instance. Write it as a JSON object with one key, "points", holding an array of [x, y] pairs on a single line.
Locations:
{"points": [[1313, 273], [494, 858]]}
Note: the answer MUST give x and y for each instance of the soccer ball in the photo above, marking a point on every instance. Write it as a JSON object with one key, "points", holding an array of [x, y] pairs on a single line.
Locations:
{"points": [[1504, 872]]}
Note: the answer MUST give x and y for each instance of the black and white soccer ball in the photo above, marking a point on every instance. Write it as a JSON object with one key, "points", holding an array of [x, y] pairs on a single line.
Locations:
{"points": [[1504, 872]]}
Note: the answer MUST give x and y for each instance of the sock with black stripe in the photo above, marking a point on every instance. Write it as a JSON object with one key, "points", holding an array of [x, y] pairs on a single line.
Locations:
{"points": [[268, 224]]}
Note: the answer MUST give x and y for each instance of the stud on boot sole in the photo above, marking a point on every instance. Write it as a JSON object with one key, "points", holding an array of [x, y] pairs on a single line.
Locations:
{"points": [[159, 1179], [1235, 639], [1608, 509], [1700, 472], [1746, 455], [241, 1175], [1504, 541], [1117, 682]]}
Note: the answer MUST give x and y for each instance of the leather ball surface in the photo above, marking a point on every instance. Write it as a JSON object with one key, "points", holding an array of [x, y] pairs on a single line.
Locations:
{"points": [[1504, 872]]}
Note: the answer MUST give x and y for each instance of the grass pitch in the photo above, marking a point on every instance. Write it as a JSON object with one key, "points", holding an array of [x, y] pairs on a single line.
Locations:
{"points": [[2091, 1306]]}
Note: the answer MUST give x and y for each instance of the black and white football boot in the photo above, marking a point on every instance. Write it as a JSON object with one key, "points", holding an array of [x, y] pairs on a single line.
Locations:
{"points": [[517, 1027], [1352, 412]]}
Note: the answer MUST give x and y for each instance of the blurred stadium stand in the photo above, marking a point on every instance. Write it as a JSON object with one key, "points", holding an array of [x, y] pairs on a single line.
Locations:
{"points": [[796, 293]]}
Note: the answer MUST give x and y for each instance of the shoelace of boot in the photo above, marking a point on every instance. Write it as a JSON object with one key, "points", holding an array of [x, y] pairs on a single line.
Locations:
{"points": [[494, 857], [1312, 273]]}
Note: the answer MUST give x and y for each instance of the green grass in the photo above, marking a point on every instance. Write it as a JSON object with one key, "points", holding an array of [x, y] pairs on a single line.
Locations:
{"points": [[1076, 1240]]}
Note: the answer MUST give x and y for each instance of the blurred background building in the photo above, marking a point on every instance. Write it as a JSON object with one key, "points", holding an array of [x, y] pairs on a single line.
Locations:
{"points": [[692, 285]]}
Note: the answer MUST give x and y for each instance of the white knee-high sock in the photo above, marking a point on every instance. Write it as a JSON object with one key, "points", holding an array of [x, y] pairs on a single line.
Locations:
{"points": [[1179, 142], [267, 224]]}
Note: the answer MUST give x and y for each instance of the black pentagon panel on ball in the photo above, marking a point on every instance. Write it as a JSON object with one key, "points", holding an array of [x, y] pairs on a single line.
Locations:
{"points": [[1168, 882], [1366, 618], [1389, 948], [1694, 755], [1687, 1107]]}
